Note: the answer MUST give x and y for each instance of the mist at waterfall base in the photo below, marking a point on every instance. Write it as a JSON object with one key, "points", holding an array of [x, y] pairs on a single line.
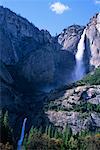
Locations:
{"points": [[19, 147], [79, 71]]}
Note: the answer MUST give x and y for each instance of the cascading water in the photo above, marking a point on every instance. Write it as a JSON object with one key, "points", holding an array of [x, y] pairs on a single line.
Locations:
{"points": [[22, 135], [80, 70]]}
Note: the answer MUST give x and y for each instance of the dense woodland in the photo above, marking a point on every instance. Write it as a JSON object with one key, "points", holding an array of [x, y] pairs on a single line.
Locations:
{"points": [[49, 139]]}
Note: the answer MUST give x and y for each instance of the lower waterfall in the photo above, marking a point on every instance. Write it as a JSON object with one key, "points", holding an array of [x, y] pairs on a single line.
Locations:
{"points": [[19, 147]]}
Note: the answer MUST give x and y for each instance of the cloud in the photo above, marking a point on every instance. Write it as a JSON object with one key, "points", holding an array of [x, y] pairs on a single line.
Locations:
{"points": [[59, 8], [97, 1]]}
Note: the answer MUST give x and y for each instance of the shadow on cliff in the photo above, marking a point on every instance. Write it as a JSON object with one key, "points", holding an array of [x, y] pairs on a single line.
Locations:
{"points": [[23, 100]]}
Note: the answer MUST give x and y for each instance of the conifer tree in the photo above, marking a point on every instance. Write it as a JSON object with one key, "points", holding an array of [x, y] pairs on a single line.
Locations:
{"points": [[40, 130], [6, 120], [1, 118], [30, 134], [62, 147], [67, 134], [49, 131], [55, 134], [46, 130]]}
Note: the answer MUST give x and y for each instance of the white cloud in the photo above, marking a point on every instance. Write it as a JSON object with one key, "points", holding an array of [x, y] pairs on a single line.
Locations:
{"points": [[97, 1], [59, 8]]}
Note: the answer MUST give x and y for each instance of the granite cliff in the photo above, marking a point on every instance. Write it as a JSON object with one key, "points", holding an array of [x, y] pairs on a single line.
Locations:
{"points": [[33, 62], [70, 37], [36, 53]]}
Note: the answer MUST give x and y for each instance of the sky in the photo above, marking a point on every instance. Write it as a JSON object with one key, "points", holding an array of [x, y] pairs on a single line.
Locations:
{"points": [[54, 15]]}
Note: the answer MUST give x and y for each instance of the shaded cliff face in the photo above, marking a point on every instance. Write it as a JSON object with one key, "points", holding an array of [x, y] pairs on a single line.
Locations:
{"points": [[37, 55], [18, 32]]}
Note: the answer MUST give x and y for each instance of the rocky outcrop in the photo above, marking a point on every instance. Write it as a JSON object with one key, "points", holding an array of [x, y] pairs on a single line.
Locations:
{"points": [[70, 37], [78, 107], [75, 120]]}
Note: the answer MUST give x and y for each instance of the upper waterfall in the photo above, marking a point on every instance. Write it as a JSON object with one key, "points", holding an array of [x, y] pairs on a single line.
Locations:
{"points": [[79, 69], [81, 47]]}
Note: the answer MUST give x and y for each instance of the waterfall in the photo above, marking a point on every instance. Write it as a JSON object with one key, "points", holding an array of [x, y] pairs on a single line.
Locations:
{"points": [[79, 69], [22, 135]]}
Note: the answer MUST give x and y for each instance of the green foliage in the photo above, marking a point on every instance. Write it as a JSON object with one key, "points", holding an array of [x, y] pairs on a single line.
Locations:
{"points": [[51, 106], [67, 135], [6, 136], [87, 107], [83, 107], [61, 140], [38, 141], [46, 130], [73, 143], [55, 134], [49, 131], [1, 117], [90, 142]]}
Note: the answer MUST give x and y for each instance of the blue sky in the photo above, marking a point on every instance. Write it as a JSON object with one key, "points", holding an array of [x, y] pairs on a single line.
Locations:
{"points": [[54, 15]]}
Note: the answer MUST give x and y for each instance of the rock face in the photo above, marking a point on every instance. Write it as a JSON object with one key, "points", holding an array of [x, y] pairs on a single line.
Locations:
{"points": [[19, 34], [70, 37], [4, 74], [32, 60], [37, 55], [74, 107], [93, 40]]}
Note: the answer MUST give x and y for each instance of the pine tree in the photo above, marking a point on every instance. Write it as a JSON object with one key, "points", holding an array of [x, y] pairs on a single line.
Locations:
{"points": [[46, 130], [55, 134], [5, 120], [40, 130], [52, 132], [62, 147], [1, 118], [49, 131], [30, 135], [6, 131], [67, 134]]}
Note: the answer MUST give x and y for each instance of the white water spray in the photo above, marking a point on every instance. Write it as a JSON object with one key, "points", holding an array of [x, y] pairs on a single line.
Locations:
{"points": [[80, 70], [22, 135]]}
